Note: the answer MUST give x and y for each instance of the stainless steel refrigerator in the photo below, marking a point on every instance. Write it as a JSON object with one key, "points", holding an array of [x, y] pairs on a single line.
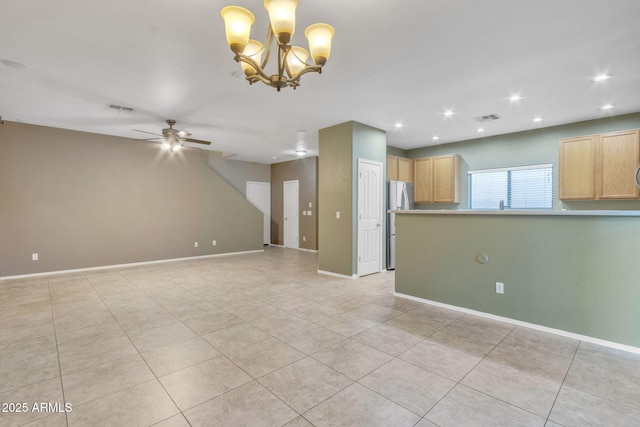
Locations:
{"points": [[399, 198]]}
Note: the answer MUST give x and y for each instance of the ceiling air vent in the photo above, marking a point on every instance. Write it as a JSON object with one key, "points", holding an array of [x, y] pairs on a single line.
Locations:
{"points": [[118, 108], [487, 118]]}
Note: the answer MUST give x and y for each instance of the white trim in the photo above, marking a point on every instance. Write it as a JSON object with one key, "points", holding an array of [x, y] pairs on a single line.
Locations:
{"points": [[560, 332], [298, 249], [132, 264], [343, 276], [382, 228], [513, 168]]}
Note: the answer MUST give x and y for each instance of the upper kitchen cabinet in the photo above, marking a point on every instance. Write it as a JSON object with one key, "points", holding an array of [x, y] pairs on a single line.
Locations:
{"points": [[405, 169], [599, 166], [446, 179], [620, 156], [399, 169], [437, 179], [577, 168], [423, 180]]}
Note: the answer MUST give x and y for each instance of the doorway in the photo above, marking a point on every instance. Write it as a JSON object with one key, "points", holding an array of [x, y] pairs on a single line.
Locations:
{"points": [[291, 212], [259, 194], [370, 214]]}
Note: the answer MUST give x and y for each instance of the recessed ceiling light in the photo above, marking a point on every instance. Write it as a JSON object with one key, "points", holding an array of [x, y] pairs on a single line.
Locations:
{"points": [[480, 130], [398, 125], [515, 98], [448, 113], [607, 107], [601, 78], [537, 119], [274, 158], [435, 138], [301, 152]]}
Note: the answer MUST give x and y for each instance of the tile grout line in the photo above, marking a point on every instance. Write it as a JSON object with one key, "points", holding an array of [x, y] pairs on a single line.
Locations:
{"points": [[55, 337], [138, 351]]}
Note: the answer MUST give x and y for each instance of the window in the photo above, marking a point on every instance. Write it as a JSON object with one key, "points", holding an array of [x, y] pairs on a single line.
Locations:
{"points": [[525, 187]]}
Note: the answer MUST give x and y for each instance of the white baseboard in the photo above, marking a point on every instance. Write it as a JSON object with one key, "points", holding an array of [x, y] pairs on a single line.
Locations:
{"points": [[298, 249], [343, 276], [132, 264], [560, 332]]}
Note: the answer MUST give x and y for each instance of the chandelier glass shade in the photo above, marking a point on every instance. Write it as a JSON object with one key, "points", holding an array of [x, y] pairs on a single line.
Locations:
{"points": [[253, 56]]}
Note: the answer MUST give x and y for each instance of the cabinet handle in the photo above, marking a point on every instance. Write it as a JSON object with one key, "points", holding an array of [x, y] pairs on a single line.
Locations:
{"points": [[637, 176]]}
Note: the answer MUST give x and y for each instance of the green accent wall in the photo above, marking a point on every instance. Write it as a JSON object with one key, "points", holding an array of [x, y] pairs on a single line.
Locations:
{"points": [[532, 147], [335, 195], [84, 200], [368, 143], [340, 147], [399, 152], [574, 273]]}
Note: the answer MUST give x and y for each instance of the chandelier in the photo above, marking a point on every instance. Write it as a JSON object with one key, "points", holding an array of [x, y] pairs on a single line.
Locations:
{"points": [[292, 60]]}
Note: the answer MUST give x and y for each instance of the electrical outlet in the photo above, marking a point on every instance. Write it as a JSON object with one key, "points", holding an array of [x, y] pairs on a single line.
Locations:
{"points": [[310, 205], [214, 243], [195, 244], [34, 257], [304, 238], [304, 213], [337, 214], [499, 288]]}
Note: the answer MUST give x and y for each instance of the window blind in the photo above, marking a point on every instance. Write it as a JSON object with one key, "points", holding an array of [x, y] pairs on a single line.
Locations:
{"points": [[521, 187]]}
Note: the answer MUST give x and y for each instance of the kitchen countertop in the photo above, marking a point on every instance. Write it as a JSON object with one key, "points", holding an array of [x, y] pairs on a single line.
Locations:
{"points": [[522, 212]]}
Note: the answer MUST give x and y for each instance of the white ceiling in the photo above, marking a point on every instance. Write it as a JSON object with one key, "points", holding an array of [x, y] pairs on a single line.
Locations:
{"points": [[392, 61]]}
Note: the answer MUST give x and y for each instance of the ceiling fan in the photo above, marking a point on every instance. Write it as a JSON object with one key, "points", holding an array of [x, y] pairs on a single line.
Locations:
{"points": [[172, 139]]}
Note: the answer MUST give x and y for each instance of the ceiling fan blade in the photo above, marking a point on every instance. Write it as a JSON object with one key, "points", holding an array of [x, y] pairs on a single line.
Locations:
{"points": [[150, 139], [197, 141], [144, 131]]}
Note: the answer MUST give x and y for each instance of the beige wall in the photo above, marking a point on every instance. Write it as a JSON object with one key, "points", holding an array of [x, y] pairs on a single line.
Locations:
{"points": [[84, 200], [305, 171], [335, 195], [237, 172]]}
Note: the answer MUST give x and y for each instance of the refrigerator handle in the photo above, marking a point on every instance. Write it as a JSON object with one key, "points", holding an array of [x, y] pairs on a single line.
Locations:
{"points": [[405, 197]]}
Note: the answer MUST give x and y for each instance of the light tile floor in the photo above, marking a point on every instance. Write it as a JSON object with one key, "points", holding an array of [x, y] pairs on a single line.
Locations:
{"points": [[263, 340]]}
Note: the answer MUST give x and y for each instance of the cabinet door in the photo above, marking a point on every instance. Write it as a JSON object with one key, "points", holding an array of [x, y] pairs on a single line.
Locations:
{"points": [[619, 162], [422, 180], [405, 169], [392, 168], [446, 170], [577, 168]]}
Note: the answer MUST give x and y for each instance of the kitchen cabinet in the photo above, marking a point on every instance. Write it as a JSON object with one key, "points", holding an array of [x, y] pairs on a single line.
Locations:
{"points": [[399, 169], [597, 167], [620, 153], [422, 180], [437, 179], [405, 169], [392, 168], [577, 168]]}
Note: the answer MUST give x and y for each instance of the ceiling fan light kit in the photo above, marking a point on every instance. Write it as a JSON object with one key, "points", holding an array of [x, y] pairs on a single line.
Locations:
{"points": [[172, 139], [253, 56]]}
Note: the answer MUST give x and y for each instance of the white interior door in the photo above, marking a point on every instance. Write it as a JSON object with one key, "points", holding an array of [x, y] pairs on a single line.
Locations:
{"points": [[370, 214], [291, 213], [259, 194]]}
